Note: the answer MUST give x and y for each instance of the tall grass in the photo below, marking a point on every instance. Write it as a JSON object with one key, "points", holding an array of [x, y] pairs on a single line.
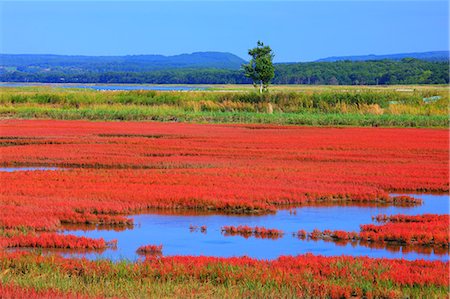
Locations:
{"points": [[355, 107], [219, 278], [137, 113]]}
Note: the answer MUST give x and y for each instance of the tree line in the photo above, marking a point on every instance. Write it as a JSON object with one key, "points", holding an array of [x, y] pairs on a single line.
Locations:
{"points": [[381, 72]]}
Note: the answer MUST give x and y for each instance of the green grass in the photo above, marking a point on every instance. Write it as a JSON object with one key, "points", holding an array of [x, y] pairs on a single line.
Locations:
{"points": [[185, 280], [343, 106], [137, 113]]}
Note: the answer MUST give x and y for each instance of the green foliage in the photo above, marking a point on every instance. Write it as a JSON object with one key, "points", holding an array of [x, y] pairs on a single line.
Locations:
{"points": [[313, 106], [260, 68], [382, 72], [138, 113]]}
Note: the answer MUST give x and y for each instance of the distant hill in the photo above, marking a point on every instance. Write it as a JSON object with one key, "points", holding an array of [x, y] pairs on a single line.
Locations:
{"points": [[131, 63], [428, 56], [215, 68]]}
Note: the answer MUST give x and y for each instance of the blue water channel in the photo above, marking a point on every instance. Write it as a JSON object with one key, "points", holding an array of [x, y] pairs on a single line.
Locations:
{"points": [[174, 233], [110, 86]]}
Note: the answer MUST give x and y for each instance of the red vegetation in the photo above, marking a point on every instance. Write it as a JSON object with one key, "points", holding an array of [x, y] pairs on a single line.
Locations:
{"points": [[150, 249], [415, 218], [428, 230], [53, 240], [424, 230], [114, 169], [194, 228], [11, 291], [301, 234], [307, 276], [247, 231]]}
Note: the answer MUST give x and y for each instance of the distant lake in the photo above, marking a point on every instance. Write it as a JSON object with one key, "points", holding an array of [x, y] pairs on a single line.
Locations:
{"points": [[109, 86]]}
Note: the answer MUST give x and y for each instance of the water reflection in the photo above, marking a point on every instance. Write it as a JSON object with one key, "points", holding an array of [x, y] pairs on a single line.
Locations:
{"points": [[96, 227], [174, 231], [391, 247], [292, 210]]}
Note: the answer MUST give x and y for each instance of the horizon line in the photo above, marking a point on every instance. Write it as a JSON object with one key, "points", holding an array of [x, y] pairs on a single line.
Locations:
{"points": [[196, 52]]}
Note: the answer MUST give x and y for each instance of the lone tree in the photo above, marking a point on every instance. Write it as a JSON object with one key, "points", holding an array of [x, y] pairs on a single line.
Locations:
{"points": [[260, 68]]}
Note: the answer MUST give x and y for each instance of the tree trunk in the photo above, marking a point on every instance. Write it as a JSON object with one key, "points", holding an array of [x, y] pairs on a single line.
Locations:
{"points": [[260, 86]]}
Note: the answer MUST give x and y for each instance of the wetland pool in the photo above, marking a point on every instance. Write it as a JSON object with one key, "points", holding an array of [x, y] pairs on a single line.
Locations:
{"points": [[174, 233]]}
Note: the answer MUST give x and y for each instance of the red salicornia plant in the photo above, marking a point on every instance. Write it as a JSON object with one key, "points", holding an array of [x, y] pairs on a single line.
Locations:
{"points": [[150, 249], [247, 231], [423, 230]]}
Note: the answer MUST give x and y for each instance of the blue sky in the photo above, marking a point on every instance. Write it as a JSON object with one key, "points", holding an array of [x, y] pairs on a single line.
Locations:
{"points": [[296, 30]]}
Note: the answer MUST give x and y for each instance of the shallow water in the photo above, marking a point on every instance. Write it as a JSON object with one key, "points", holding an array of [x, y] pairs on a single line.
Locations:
{"points": [[12, 169], [109, 86], [172, 231]]}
